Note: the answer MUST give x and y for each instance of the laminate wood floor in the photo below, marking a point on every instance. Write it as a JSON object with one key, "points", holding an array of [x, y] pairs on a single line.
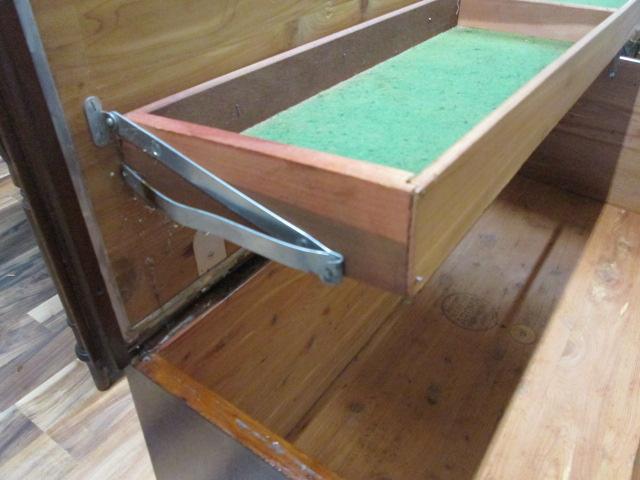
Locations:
{"points": [[54, 424]]}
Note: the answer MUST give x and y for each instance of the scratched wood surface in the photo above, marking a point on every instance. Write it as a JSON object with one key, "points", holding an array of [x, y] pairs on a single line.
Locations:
{"points": [[534, 314], [54, 424], [132, 53]]}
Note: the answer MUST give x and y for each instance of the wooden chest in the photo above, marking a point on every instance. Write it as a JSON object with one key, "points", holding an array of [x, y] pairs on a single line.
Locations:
{"points": [[462, 177]]}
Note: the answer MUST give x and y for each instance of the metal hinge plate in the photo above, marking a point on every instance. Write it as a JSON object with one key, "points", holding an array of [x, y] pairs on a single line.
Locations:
{"points": [[277, 239]]}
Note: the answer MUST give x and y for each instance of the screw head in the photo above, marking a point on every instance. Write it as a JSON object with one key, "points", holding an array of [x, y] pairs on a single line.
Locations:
{"points": [[330, 275]]}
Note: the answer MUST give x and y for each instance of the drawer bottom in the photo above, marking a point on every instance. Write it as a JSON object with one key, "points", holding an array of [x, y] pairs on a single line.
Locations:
{"points": [[521, 348]]}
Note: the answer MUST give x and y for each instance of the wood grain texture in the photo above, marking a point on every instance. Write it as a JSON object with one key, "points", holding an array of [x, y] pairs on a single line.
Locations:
{"points": [[54, 424], [4, 169], [52, 187], [66, 429], [254, 93], [534, 18], [131, 54], [98, 430], [594, 149], [279, 341], [424, 397], [9, 193], [22, 448], [454, 191], [50, 314], [576, 413], [16, 236], [365, 208], [33, 365], [512, 321], [29, 351], [18, 336], [25, 283], [24, 343], [462, 183], [271, 447]]}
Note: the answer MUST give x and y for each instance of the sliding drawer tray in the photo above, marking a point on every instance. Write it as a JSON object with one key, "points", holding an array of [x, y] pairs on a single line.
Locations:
{"points": [[388, 140]]}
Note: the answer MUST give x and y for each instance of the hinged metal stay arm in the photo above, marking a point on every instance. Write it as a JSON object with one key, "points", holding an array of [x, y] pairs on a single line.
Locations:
{"points": [[281, 241]]}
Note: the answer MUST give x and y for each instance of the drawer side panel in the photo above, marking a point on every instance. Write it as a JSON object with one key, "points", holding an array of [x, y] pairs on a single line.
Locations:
{"points": [[458, 188]]}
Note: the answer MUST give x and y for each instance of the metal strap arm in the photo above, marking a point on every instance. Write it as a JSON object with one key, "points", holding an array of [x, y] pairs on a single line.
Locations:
{"points": [[281, 241]]}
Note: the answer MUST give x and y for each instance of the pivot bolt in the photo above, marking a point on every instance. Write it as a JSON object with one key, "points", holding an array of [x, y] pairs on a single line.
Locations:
{"points": [[109, 121]]}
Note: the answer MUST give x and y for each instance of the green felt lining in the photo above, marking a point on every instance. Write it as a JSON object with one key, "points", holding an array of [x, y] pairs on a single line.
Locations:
{"points": [[592, 3], [406, 111]]}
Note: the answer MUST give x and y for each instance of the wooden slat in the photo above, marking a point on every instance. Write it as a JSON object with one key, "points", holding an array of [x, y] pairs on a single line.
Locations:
{"points": [[462, 183], [424, 398], [576, 413], [271, 447], [257, 92], [531, 17], [510, 320], [132, 53], [594, 149], [279, 342], [360, 209]]}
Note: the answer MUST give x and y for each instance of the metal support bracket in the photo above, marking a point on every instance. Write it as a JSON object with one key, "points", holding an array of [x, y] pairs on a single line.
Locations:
{"points": [[277, 239]]}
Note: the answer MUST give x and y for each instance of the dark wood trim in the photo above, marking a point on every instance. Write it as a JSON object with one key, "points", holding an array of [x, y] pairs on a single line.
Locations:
{"points": [[226, 417], [39, 168], [183, 444]]}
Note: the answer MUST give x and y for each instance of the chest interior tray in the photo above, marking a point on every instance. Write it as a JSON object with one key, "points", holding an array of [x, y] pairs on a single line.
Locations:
{"points": [[388, 140], [519, 358]]}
